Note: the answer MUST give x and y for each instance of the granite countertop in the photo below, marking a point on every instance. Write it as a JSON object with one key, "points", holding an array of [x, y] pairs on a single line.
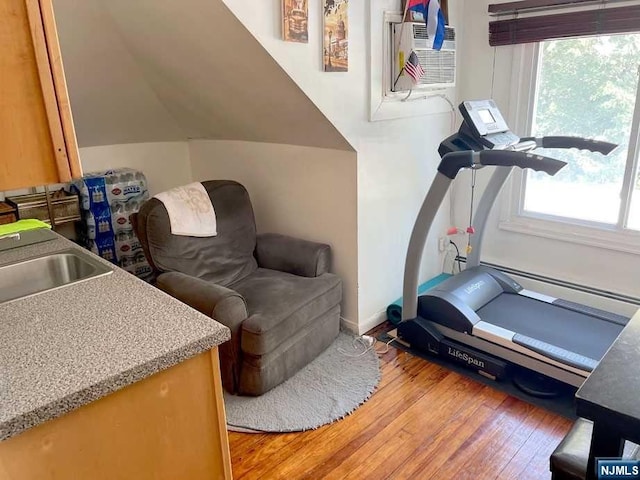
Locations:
{"points": [[64, 348]]}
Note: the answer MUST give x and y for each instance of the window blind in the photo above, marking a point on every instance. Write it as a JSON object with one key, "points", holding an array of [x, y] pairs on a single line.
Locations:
{"points": [[547, 25], [530, 5]]}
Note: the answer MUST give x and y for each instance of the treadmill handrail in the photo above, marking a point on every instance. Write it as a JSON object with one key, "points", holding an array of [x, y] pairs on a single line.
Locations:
{"points": [[500, 176], [510, 158], [566, 142], [453, 162], [449, 167]]}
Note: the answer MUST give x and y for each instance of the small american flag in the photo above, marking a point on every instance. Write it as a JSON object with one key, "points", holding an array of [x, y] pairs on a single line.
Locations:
{"points": [[413, 68]]}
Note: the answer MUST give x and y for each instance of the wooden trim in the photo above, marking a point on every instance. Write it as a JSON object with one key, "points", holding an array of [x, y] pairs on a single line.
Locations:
{"points": [[60, 82], [219, 404], [48, 90], [164, 427]]}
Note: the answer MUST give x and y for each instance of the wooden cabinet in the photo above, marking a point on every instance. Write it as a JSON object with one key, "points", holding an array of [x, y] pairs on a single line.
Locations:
{"points": [[37, 140], [169, 426]]}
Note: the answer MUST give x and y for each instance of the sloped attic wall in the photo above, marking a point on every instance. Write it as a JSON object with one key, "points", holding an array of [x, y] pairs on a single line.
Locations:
{"points": [[215, 79], [111, 99], [167, 70], [119, 120]]}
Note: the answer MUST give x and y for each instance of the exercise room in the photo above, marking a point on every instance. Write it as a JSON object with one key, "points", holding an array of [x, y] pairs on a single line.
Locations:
{"points": [[319, 239]]}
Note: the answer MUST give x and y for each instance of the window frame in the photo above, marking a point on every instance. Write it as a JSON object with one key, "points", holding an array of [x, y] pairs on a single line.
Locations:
{"points": [[514, 218]]}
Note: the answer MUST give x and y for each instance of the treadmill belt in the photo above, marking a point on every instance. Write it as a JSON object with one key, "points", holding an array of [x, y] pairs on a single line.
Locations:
{"points": [[552, 324]]}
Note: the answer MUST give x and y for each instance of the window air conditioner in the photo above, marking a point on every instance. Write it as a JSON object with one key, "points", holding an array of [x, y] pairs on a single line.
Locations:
{"points": [[439, 65]]}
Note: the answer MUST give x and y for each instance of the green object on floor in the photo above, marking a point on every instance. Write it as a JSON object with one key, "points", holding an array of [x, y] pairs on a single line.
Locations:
{"points": [[22, 225], [394, 311]]}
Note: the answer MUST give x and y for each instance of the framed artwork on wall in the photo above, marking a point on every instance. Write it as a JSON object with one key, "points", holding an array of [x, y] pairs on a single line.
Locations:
{"points": [[335, 35], [295, 21]]}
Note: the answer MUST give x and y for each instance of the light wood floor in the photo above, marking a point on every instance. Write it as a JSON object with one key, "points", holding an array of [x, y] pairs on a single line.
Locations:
{"points": [[422, 422]]}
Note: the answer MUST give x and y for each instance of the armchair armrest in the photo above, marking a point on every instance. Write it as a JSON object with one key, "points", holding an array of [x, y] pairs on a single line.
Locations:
{"points": [[220, 303], [292, 255]]}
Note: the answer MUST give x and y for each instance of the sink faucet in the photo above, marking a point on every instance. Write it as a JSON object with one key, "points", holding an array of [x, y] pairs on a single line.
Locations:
{"points": [[10, 236]]}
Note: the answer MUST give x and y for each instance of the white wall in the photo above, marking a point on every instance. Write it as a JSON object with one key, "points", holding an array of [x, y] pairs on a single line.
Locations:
{"points": [[601, 268], [165, 164], [396, 159], [305, 192]]}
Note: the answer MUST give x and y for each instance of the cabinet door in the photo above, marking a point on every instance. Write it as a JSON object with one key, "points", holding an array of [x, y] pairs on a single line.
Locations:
{"points": [[33, 148]]}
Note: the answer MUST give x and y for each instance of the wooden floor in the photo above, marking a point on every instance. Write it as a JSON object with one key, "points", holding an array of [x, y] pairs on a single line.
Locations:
{"points": [[422, 422]]}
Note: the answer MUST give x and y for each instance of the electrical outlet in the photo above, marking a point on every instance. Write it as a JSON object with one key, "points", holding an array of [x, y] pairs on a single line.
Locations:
{"points": [[442, 244]]}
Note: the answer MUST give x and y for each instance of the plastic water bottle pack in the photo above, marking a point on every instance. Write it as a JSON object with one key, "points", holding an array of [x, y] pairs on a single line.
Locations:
{"points": [[108, 199]]}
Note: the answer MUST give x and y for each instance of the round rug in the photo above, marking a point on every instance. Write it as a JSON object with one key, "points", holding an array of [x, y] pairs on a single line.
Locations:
{"points": [[337, 382]]}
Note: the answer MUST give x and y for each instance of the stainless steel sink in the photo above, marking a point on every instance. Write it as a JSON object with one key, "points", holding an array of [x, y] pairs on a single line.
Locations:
{"points": [[47, 272], [29, 237]]}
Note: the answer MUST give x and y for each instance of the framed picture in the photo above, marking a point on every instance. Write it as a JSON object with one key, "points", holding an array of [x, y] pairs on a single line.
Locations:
{"points": [[335, 43], [295, 21]]}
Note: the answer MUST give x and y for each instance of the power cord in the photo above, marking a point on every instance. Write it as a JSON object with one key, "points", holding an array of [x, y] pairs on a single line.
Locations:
{"points": [[451, 242], [364, 344], [456, 258], [386, 347], [361, 345]]}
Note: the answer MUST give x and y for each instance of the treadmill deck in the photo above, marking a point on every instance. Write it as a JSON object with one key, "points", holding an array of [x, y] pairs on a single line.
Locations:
{"points": [[576, 332]]}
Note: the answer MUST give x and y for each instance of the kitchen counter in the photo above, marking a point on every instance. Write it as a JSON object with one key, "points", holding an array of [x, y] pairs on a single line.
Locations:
{"points": [[65, 348]]}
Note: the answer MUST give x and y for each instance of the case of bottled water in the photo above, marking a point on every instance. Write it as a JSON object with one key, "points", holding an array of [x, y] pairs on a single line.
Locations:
{"points": [[108, 199]]}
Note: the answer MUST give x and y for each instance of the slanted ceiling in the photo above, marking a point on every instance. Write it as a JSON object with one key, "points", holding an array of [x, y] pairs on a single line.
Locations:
{"points": [[163, 70]]}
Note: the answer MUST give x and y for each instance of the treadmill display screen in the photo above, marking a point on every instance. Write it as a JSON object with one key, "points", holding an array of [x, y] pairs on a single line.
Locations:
{"points": [[486, 117]]}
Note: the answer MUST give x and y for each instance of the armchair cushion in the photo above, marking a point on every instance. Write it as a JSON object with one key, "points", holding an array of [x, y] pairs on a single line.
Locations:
{"points": [[262, 372], [292, 255], [281, 303]]}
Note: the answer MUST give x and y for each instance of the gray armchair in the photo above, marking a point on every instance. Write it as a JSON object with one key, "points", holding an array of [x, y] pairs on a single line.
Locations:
{"points": [[273, 292]]}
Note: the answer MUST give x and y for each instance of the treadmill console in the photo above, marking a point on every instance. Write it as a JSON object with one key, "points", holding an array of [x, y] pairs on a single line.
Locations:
{"points": [[486, 123], [483, 128]]}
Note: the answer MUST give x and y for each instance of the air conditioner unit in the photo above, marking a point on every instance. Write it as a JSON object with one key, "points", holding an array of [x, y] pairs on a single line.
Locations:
{"points": [[439, 65]]}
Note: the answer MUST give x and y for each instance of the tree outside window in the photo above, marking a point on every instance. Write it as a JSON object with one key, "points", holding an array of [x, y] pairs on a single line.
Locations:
{"points": [[588, 87]]}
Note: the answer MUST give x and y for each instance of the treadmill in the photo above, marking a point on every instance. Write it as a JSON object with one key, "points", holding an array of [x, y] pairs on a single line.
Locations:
{"points": [[481, 317]]}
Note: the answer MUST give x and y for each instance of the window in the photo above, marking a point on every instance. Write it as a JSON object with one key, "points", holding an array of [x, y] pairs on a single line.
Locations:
{"points": [[588, 87]]}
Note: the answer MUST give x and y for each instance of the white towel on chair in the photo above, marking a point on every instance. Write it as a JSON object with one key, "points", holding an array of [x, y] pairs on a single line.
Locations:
{"points": [[190, 211]]}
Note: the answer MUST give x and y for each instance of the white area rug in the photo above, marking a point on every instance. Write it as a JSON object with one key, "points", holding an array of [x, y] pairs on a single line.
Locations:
{"points": [[341, 379]]}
